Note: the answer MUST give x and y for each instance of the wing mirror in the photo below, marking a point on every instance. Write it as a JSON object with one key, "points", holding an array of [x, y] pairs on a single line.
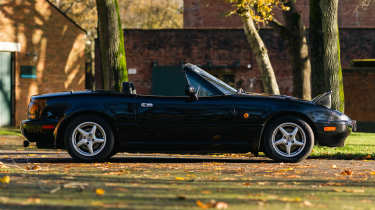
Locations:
{"points": [[191, 92]]}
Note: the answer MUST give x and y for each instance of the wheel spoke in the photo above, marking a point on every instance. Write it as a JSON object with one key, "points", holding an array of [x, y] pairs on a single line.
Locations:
{"points": [[93, 130], [98, 140], [288, 148], [285, 133], [294, 133], [83, 133], [81, 142], [280, 141], [298, 143], [90, 147]]}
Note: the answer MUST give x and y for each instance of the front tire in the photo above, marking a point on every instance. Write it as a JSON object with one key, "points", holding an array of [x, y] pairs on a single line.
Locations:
{"points": [[89, 138], [288, 139]]}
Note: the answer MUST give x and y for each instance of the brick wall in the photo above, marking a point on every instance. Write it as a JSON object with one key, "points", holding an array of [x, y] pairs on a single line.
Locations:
{"points": [[211, 14], [50, 42], [218, 47], [227, 46]]}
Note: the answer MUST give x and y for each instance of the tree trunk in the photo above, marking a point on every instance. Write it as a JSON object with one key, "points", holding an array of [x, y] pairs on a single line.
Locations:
{"points": [[261, 55], [325, 51], [316, 49], [299, 51], [332, 62], [112, 46]]}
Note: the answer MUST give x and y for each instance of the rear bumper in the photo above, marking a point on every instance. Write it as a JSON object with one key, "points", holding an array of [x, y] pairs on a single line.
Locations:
{"points": [[334, 138], [39, 131]]}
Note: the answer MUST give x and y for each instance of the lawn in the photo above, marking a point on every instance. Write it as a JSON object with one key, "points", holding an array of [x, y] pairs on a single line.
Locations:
{"points": [[49, 179], [357, 146], [10, 132]]}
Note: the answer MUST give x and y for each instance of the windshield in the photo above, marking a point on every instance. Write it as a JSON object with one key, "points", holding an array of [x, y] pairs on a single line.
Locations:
{"points": [[222, 86]]}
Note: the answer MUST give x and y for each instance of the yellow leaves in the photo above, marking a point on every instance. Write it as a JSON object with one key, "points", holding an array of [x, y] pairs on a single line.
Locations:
{"points": [[5, 180], [212, 204], [100, 191], [180, 178], [372, 172], [259, 10]]}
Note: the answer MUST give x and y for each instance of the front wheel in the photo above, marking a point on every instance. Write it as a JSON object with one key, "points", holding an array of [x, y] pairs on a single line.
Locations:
{"points": [[89, 138], [288, 139]]}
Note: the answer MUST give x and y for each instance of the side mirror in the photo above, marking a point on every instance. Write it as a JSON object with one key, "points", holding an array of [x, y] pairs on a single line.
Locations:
{"points": [[191, 92]]}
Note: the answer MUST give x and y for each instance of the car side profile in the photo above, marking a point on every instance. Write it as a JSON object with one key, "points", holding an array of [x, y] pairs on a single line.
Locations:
{"points": [[211, 117]]}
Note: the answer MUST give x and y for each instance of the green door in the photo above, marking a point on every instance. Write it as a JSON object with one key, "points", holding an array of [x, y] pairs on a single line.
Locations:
{"points": [[5, 88]]}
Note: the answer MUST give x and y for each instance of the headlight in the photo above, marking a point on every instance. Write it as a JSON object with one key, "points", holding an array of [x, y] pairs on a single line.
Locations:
{"points": [[35, 109], [329, 115], [340, 116]]}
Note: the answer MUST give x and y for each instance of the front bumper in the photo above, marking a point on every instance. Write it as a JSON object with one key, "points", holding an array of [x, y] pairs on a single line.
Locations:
{"points": [[39, 131], [337, 137]]}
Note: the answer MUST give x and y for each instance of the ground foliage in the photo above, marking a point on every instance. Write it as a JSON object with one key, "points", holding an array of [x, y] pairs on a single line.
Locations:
{"points": [[49, 179]]}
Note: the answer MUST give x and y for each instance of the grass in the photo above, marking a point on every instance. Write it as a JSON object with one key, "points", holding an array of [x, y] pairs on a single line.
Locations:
{"points": [[10, 132], [357, 146]]}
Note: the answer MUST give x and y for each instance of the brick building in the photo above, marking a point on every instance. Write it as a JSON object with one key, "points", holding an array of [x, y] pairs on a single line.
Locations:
{"points": [[218, 44], [211, 14], [41, 50]]}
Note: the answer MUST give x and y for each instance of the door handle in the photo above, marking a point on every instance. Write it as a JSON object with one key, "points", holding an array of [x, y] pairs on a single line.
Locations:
{"points": [[147, 105]]}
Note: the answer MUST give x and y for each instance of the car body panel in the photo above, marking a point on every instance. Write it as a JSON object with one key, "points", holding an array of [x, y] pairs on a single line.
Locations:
{"points": [[227, 121]]}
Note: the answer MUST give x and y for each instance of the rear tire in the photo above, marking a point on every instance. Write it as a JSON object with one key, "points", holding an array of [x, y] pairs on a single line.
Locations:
{"points": [[288, 139], [89, 139]]}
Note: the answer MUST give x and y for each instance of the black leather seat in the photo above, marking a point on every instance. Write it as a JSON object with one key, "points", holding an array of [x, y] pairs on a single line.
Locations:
{"points": [[128, 88]]}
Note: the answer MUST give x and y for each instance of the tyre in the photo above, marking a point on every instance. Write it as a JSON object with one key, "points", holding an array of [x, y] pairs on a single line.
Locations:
{"points": [[89, 138], [288, 139]]}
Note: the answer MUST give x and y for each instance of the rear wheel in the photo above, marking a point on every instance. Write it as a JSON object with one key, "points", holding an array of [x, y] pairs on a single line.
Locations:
{"points": [[288, 139], [89, 138]]}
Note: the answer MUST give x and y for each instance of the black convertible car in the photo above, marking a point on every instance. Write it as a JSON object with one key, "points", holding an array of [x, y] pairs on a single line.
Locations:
{"points": [[212, 117]]}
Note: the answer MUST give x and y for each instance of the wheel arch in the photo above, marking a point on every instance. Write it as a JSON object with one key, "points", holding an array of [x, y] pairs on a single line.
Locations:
{"points": [[284, 114], [63, 124]]}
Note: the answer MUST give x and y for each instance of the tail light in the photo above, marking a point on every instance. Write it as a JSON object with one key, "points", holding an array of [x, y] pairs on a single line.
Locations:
{"points": [[35, 109]]}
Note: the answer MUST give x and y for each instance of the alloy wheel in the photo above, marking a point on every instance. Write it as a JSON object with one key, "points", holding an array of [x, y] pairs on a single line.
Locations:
{"points": [[288, 139], [88, 139]]}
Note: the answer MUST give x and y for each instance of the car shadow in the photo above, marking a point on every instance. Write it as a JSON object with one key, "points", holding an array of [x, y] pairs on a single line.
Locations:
{"points": [[139, 160]]}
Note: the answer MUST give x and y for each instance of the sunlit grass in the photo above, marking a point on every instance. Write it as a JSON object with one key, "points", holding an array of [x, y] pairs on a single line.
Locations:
{"points": [[10, 132], [357, 146]]}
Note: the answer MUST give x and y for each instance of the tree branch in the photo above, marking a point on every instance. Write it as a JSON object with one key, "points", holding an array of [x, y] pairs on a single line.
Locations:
{"points": [[275, 24]]}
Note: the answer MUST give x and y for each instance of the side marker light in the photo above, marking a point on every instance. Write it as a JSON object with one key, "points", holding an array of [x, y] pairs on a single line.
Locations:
{"points": [[329, 129]]}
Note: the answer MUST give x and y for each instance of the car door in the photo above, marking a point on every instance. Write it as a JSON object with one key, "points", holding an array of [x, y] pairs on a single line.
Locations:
{"points": [[178, 123]]}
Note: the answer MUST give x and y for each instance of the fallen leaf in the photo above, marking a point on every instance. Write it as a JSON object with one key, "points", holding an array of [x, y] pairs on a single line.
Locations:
{"points": [[349, 190], [5, 179], [307, 203], [333, 166], [33, 200], [180, 178], [100, 191], [367, 157], [201, 205], [2, 165], [206, 192], [347, 172], [220, 205], [372, 172]]}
